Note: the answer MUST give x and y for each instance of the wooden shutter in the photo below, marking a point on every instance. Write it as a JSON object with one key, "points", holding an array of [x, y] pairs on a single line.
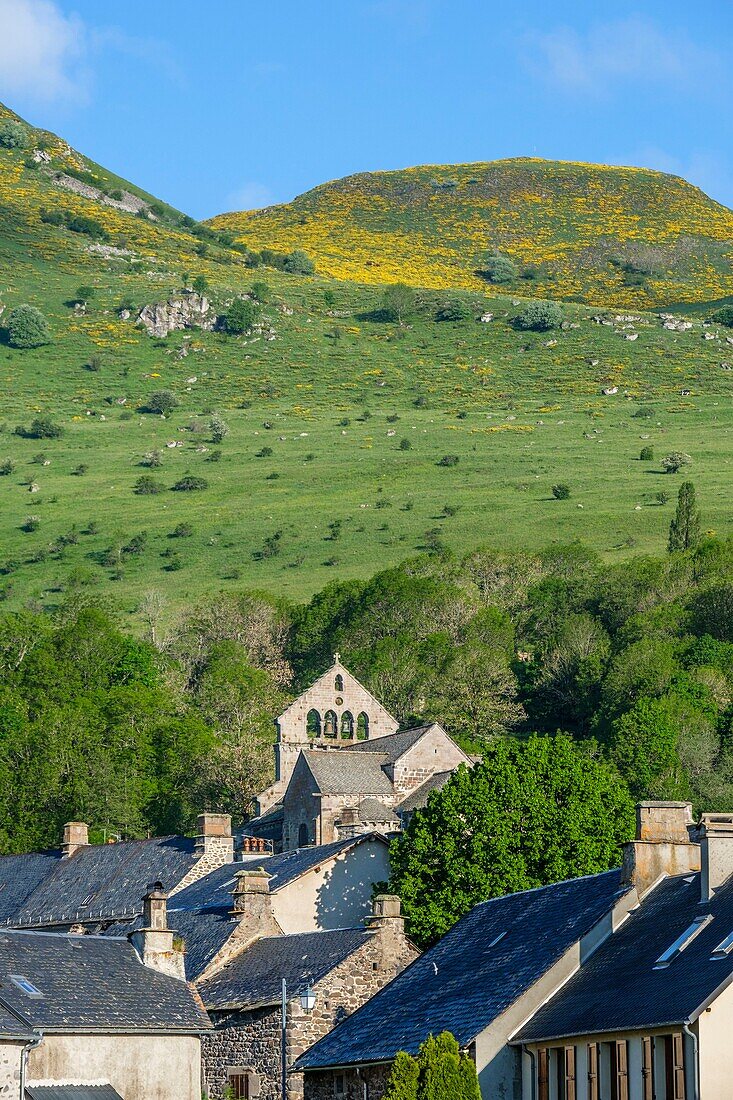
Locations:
{"points": [[543, 1074], [593, 1071], [678, 1066], [621, 1068], [647, 1068], [569, 1073]]}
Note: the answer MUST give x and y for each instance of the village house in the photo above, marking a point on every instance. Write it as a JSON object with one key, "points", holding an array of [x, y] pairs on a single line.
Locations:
{"points": [[87, 1017], [342, 766], [616, 986]]}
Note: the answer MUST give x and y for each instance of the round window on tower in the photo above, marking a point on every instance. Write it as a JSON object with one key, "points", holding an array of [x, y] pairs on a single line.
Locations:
{"points": [[339, 701]]}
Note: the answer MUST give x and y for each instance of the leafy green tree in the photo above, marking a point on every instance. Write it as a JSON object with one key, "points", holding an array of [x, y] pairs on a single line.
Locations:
{"points": [[498, 268], [260, 291], [561, 491], [13, 135], [84, 294], [218, 427], [723, 316], [298, 263], [241, 316], [27, 328], [539, 317], [712, 611], [645, 748], [532, 812], [684, 529], [200, 284], [456, 309], [162, 402], [646, 454], [399, 301]]}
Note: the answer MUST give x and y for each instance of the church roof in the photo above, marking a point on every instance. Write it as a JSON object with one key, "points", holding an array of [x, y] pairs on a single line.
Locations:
{"points": [[419, 797], [343, 772]]}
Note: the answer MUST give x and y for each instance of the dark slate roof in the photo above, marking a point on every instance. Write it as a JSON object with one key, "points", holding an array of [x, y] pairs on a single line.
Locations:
{"points": [[419, 797], [469, 978], [92, 982], [394, 745], [372, 810], [255, 977], [72, 1092], [618, 989], [339, 771], [20, 876], [12, 1027], [104, 881], [204, 932]]}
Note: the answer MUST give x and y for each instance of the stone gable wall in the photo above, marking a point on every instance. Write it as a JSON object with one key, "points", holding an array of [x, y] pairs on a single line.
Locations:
{"points": [[435, 752], [322, 1085]]}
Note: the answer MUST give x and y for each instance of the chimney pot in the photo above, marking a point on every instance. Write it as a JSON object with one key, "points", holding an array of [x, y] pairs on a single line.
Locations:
{"points": [[249, 890], [214, 824], [717, 852], [663, 845], [664, 821], [154, 941], [76, 835], [214, 841], [386, 914], [155, 907]]}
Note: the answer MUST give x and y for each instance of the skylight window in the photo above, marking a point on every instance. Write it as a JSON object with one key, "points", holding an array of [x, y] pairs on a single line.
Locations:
{"points": [[497, 939], [682, 942], [724, 949], [24, 985]]}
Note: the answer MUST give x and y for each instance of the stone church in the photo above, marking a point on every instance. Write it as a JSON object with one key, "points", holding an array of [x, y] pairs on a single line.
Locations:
{"points": [[343, 766]]}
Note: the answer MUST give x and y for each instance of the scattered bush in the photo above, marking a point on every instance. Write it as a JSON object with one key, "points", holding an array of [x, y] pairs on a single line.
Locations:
{"points": [[13, 135], [182, 531], [646, 454], [146, 486], [723, 316], [6, 467], [264, 452], [405, 444], [561, 491], [539, 317], [241, 317], [454, 310], [449, 460], [190, 484], [398, 302], [27, 328], [152, 459], [215, 456], [84, 294], [200, 284], [219, 428], [162, 402], [77, 223], [260, 292], [80, 470], [31, 523], [298, 263], [662, 497], [42, 427], [498, 268], [674, 461]]}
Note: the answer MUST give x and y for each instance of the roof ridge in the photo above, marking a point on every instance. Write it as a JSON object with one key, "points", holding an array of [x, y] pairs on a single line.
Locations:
{"points": [[548, 886]]}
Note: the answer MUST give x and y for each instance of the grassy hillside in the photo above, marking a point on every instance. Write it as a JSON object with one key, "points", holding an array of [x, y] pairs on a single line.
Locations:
{"points": [[314, 482], [596, 233]]}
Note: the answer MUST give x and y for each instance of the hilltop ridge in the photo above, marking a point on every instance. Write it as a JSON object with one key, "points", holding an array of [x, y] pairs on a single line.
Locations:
{"points": [[633, 237]]}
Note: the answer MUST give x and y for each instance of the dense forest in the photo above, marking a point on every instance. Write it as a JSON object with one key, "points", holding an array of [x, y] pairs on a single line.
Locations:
{"points": [[633, 661]]}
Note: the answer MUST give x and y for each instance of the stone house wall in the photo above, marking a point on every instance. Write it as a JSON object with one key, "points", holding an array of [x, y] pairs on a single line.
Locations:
{"points": [[434, 752], [10, 1055], [251, 1039], [370, 1082]]}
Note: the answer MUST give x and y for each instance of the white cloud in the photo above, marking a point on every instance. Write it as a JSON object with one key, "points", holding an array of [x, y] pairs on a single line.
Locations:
{"points": [[249, 196], [41, 52], [608, 55]]}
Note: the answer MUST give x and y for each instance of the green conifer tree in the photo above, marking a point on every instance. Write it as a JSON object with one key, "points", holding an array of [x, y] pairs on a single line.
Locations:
{"points": [[402, 1084], [684, 530]]}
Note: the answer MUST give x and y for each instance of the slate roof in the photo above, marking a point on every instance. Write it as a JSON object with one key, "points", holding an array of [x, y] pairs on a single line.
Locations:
{"points": [[347, 772], [618, 989], [99, 881], [255, 977], [419, 797], [394, 745], [480, 968], [19, 877], [12, 1027], [72, 1092], [372, 810], [92, 983]]}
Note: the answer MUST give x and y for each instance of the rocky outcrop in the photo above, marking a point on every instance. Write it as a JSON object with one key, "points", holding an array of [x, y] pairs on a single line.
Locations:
{"points": [[181, 312]]}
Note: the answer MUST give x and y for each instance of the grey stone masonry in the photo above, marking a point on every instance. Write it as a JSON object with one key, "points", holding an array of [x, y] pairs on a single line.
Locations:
{"points": [[347, 1084]]}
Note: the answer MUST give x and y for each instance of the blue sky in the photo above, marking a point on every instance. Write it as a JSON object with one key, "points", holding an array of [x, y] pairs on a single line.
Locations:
{"points": [[229, 104]]}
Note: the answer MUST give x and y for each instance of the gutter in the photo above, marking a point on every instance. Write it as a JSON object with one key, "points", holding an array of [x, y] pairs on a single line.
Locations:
{"points": [[35, 1042], [533, 1059]]}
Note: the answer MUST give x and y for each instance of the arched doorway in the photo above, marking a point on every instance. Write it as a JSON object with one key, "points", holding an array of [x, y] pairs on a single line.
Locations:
{"points": [[362, 727], [347, 725]]}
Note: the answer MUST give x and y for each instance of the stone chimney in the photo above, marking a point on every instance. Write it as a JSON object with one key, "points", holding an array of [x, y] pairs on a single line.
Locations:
{"points": [[76, 835], [386, 915], [347, 824], [214, 840], [662, 845], [252, 902], [717, 852], [154, 941]]}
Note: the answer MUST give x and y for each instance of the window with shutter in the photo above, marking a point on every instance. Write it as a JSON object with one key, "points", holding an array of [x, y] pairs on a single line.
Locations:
{"points": [[593, 1088], [543, 1074], [620, 1070], [647, 1069], [569, 1073], [678, 1060]]}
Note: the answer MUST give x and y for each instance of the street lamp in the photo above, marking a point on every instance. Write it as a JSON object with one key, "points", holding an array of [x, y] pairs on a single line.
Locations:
{"points": [[307, 1003]]}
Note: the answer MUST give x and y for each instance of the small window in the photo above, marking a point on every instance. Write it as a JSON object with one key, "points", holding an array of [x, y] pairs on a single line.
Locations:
{"points": [[724, 948], [683, 941], [338, 1084], [339, 683], [25, 985], [243, 1084]]}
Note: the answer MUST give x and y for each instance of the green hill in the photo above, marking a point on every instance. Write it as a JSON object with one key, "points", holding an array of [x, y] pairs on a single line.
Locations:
{"points": [[353, 441], [594, 233]]}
